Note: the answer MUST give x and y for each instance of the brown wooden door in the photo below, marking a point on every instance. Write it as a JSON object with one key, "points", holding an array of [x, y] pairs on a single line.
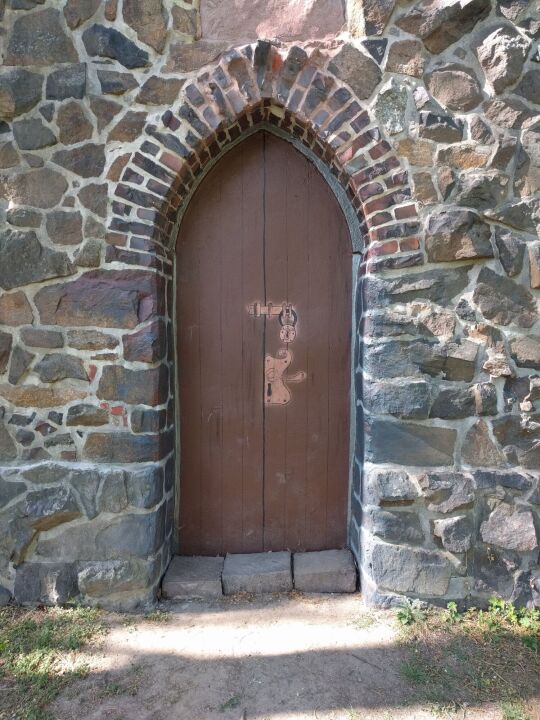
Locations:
{"points": [[263, 227]]}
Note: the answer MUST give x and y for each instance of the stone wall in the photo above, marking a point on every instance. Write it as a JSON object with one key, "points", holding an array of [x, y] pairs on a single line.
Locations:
{"points": [[427, 114]]}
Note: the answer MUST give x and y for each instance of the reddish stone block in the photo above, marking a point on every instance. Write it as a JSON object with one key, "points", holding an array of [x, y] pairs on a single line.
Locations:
{"points": [[407, 211], [379, 150], [409, 244]]}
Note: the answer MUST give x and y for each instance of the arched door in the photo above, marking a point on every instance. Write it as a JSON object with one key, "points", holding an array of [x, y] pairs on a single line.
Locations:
{"points": [[264, 332]]}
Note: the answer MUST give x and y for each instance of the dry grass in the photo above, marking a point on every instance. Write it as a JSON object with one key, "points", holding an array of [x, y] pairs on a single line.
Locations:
{"points": [[39, 656], [456, 659]]}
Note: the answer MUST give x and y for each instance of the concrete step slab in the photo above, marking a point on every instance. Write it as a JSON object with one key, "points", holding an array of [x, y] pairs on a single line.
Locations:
{"points": [[331, 571], [193, 577], [257, 573]]}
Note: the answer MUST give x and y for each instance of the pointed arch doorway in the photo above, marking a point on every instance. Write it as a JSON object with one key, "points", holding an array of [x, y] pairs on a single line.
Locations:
{"points": [[263, 348]]}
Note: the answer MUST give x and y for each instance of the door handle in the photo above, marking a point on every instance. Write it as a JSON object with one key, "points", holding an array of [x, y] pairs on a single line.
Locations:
{"points": [[276, 378]]}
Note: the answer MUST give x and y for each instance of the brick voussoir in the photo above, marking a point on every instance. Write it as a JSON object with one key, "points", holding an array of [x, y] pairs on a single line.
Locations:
{"points": [[245, 88]]}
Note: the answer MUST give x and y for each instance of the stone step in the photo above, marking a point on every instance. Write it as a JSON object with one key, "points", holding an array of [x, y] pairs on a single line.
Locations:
{"points": [[326, 571], [323, 571], [257, 573], [193, 577]]}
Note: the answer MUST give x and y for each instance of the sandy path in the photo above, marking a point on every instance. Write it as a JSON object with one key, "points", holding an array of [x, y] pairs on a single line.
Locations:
{"points": [[276, 658]]}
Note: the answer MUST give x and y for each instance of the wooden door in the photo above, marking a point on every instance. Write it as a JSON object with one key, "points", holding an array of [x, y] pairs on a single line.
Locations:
{"points": [[263, 279]]}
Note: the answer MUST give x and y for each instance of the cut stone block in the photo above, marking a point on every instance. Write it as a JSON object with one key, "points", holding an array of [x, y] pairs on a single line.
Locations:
{"points": [[257, 573], [325, 571], [193, 577]]}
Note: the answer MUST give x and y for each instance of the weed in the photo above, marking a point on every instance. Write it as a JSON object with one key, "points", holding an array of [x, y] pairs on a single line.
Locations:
{"points": [[415, 672], [363, 621], [452, 613], [157, 616], [454, 658], [411, 612], [38, 655], [230, 704], [513, 710]]}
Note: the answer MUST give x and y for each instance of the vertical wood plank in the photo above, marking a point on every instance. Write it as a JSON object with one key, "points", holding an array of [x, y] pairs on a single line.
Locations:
{"points": [[263, 226]]}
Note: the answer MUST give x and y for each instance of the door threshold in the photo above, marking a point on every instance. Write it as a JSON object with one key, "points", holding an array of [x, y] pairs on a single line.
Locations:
{"points": [[324, 571]]}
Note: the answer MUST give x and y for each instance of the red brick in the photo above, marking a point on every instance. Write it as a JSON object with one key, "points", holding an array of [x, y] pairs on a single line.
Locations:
{"points": [[378, 249], [380, 218], [406, 211], [371, 190], [409, 244], [379, 150]]}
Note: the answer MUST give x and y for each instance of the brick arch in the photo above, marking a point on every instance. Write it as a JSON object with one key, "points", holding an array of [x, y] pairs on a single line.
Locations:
{"points": [[262, 85]]}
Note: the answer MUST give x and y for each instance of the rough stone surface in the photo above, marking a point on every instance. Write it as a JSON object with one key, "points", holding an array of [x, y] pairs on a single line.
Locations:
{"points": [[48, 583], [525, 351], [103, 298], [457, 235], [503, 301], [86, 160], [257, 573], [511, 251], [15, 309], [406, 57], [482, 190], [39, 39], [115, 83], [389, 487], [20, 361], [324, 571], [24, 260], [56, 366], [440, 24], [509, 529], [41, 188], [187, 57], [8, 449], [20, 91], [67, 82], [64, 227], [147, 387], [455, 533], [502, 54], [410, 570], [409, 444], [33, 134], [109, 43], [455, 87], [356, 69], [478, 447], [73, 124], [193, 577], [149, 20], [425, 112], [446, 491], [159, 91], [86, 415], [250, 19], [78, 11]]}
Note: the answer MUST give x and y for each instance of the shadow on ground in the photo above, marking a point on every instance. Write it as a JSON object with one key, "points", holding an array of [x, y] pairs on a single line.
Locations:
{"points": [[329, 658]]}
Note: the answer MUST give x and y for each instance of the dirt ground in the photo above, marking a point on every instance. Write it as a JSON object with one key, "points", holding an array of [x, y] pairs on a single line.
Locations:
{"points": [[270, 658]]}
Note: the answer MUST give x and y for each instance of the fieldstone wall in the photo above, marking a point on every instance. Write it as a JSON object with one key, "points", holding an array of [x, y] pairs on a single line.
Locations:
{"points": [[427, 114]]}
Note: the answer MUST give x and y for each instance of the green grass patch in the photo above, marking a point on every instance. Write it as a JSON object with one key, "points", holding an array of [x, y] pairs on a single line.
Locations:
{"points": [[230, 704], [513, 710], [38, 656], [458, 659]]}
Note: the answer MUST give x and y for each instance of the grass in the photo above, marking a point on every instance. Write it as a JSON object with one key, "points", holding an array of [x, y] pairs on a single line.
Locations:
{"points": [[363, 621], [512, 710], [457, 659], [38, 656]]}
